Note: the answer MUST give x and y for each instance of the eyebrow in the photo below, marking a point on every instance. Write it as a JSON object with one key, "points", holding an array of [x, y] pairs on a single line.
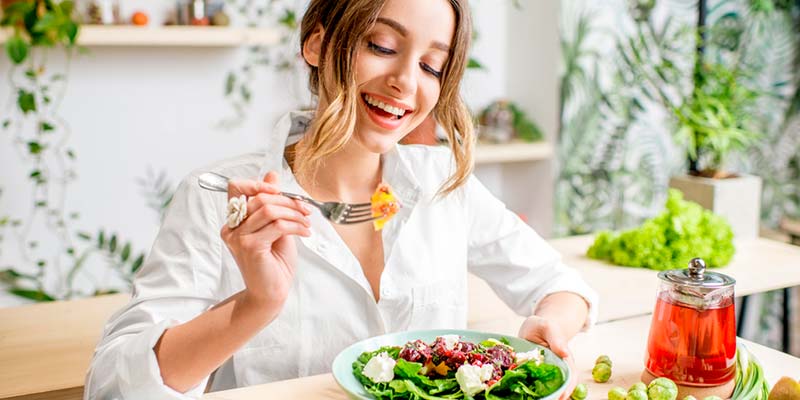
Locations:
{"points": [[404, 32]]}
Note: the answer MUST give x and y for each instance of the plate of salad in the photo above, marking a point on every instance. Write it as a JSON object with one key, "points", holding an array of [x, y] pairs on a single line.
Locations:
{"points": [[449, 364]]}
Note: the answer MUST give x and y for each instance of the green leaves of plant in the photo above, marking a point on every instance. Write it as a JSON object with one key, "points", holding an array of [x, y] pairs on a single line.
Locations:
{"points": [[26, 101], [36, 295], [17, 49]]}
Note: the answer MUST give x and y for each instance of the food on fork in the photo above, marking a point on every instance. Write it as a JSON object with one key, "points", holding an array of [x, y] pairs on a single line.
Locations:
{"points": [[384, 205]]}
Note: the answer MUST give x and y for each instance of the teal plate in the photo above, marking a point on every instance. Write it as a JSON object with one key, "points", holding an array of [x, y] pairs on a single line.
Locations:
{"points": [[343, 363]]}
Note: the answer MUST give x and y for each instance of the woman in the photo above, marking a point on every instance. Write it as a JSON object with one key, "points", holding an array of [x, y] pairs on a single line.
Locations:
{"points": [[279, 294]]}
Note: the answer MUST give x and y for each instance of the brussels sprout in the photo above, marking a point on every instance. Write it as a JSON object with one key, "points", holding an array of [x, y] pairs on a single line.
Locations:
{"points": [[662, 389], [603, 359], [580, 392], [601, 372], [636, 395], [617, 393], [638, 386], [713, 398]]}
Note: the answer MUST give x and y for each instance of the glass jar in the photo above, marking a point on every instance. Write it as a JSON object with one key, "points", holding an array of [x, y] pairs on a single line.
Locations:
{"points": [[693, 334]]}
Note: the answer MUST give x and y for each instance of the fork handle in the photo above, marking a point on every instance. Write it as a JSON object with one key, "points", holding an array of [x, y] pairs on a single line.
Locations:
{"points": [[219, 183]]}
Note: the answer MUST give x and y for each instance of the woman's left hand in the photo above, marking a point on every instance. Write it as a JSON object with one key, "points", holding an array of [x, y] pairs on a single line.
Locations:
{"points": [[547, 333]]}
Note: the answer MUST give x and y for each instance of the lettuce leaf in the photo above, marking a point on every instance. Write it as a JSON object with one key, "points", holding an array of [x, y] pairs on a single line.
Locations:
{"points": [[684, 230]]}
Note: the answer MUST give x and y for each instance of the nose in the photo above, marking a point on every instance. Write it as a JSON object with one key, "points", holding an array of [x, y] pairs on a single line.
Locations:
{"points": [[403, 77]]}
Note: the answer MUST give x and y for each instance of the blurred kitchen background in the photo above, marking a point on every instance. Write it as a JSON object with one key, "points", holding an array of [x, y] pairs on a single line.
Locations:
{"points": [[574, 98]]}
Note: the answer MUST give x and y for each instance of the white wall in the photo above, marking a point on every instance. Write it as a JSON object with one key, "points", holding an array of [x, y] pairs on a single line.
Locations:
{"points": [[134, 108]]}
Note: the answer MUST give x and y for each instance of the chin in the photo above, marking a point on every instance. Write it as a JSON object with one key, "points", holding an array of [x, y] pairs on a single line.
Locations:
{"points": [[379, 142]]}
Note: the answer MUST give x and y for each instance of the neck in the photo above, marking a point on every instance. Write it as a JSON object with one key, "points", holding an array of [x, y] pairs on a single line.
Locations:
{"points": [[350, 175]]}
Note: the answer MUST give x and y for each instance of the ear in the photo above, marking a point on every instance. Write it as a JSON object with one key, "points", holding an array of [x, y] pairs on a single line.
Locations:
{"points": [[313, 46]]}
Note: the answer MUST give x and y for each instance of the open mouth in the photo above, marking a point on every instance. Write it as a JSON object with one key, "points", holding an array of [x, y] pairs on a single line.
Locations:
{"points": [[382, 109]]}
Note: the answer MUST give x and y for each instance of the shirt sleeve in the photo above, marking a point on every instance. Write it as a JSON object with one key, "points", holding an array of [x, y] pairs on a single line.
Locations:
{"points": [[177, 282], [519, 266]]}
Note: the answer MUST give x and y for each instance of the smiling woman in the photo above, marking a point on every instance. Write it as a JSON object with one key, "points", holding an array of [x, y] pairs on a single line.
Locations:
{"points": [[279, 293]]}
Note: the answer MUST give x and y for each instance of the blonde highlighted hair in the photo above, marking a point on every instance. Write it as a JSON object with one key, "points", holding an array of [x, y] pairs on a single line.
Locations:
{"points": [[346, 23]]}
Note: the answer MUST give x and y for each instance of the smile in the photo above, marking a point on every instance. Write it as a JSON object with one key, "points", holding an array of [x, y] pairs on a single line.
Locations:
{"points": [[387, 116]]}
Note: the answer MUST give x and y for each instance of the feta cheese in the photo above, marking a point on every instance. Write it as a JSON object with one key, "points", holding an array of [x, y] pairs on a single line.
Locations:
{"points": [[450, 341], [380, 368], [472, 379], [530, 355]]}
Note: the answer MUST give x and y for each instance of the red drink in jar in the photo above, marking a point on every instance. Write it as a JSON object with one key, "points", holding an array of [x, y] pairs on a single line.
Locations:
{"points": [[696, 347]]}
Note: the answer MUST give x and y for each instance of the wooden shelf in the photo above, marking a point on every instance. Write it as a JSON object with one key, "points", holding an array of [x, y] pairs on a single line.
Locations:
{"points": [[170, 36], [486, 153]]}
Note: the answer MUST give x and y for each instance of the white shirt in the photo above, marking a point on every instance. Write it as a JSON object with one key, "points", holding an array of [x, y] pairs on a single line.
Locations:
{"points": [[429, 247]]}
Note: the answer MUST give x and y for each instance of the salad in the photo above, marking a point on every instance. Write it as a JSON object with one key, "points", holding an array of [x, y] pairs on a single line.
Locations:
{"points": [[450, 368]]}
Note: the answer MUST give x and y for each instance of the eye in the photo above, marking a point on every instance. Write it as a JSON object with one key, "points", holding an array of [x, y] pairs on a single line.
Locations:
{"points": [[427, 68], [380, 49]]}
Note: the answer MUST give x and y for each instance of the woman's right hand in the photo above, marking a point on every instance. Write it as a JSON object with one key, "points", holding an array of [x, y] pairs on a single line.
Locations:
{"points": [[262, 244]]}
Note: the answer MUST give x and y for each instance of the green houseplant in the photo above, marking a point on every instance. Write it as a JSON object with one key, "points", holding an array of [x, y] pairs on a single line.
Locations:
{"points": [[716, 120], [52, 253]]}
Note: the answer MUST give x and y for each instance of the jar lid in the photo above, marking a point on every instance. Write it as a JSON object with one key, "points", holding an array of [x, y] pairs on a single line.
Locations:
{"points": [[696, 276]]}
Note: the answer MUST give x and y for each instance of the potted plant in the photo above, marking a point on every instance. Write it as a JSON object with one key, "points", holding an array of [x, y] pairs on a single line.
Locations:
{"points": [[713, 122]]}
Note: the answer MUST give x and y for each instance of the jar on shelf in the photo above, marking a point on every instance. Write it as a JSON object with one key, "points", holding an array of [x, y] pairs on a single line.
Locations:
{"points": [[103, 12]]}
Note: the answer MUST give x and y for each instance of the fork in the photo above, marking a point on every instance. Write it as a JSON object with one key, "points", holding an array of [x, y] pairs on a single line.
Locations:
{"points": [[336, 212]]}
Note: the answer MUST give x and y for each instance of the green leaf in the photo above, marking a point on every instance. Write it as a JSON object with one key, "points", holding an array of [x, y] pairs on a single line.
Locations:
{"points": [[6, 123], [16, 12], [41, 263], [70, 154], [4, 221], [67, 6], [112, 244], [126, 252], [41, 203], [246, 95], [137, 263], [35, 147], [17, 49], [31, 74], [289, 19], [46, 127], [230, 83], [10, 276], [70, 31], [84, 236], [46, 22], [101, 239], [26, 101], [36, 295], [474, 64]]}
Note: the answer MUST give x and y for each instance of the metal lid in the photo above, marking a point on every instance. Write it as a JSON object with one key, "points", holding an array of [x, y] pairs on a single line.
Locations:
{"points": [[697, 276]]}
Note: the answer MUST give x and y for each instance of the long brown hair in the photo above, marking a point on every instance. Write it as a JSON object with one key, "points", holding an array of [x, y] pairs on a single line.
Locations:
{"points": [[346, 23]]}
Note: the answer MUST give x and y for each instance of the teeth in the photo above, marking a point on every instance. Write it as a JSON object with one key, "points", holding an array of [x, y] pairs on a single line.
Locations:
{"points": [[399, 112]]}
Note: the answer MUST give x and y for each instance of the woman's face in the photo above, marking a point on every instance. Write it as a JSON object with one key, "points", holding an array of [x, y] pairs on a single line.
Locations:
{"points": [[398, 69]]}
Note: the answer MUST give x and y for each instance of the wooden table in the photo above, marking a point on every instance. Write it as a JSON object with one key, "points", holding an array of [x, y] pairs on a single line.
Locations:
{"points": [[624, 341], [759, 265], [46, 348]]}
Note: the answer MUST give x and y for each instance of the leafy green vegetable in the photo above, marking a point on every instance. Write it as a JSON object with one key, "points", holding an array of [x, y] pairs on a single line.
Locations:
{"points": [[669, 240], [750, 381], [546, 379], [526, 381]]}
